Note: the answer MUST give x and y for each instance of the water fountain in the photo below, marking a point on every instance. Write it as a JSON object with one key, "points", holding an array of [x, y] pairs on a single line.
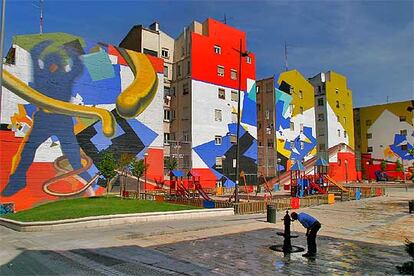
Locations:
{"points": [[287, 246]]}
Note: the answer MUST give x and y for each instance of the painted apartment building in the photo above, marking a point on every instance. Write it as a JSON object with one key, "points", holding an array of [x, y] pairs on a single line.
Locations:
{"points": [[153, 41], [385, 132], [301, 119], [286, 122], [63, 102], [334, 124], [205, 84]]}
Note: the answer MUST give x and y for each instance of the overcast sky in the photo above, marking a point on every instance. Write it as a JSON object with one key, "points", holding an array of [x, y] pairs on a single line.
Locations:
{"points": [[370, 42]]}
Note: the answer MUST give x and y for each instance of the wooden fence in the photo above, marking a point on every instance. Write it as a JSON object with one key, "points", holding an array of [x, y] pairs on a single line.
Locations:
{"points": [[253, 207]]}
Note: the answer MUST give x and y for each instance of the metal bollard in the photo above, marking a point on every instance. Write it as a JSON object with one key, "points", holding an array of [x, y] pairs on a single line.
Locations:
{"points": [[271, 214]]}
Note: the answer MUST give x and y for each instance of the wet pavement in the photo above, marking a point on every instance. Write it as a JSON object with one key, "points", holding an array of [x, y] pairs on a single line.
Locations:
{"points": [[249, 253], [357, 238]]}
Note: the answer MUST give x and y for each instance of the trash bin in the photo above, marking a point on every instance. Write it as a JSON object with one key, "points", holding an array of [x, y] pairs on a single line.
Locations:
{"points": [[271, 213], [410, 207], [276, 187], [357, 194]]}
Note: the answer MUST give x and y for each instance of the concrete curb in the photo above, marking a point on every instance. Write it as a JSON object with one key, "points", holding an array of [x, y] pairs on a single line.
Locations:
{"points": [[99, 221]]}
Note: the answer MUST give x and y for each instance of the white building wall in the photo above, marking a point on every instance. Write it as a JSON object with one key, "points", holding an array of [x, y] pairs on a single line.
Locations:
{"points": [[383, 131], [332, 132]]}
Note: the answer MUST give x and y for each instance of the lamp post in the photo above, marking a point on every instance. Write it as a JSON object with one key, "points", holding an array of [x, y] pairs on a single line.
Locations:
{"points": [[3, 15], [278, 161], [145, 174], [236, 188]]}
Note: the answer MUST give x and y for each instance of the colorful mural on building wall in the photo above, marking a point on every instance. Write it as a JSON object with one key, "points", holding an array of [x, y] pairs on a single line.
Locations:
{"points": [[226, 150], [295, 119], [66, 99], [387, 131]]}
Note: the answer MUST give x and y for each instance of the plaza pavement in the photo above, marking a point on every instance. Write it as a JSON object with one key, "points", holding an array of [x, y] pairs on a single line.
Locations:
{"points": [[357, 237]]}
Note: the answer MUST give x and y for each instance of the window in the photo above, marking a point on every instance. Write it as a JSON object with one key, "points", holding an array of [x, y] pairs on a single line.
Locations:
{"points": [[337, 104], [217, 139], [292, 90], [182, 51], [11, 56], [167, 91], [172, 114], [301, 128], [270, 143], [321, 147], [165, 71], [320, 117], [337, 118], [248, 59], [188, 68], [319, 89], [344, 133], [302, 145], [403, 132], [258, 107], [234, 116], [344, 120], [336, 90], [164, 53], [219, 162], [186, 137], [339, 133], [404, 147], [233, 74], [368, 123], [343, 106], [300, 94], [172, 91], [150, 52], [320, 101], [221, 94], [217, 49], [301, 109], [369, 135], [257, 89], [403, 118], [292, 145], [292, 126], [220, 71], [166, 138], [185, 89], [234, 96], [178, 70], [291, 108], [217, 115], [167, 115], [259, 125], [369, 149]]}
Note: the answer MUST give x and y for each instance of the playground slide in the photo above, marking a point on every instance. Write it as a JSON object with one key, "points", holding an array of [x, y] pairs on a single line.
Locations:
{"points": [[340, 186], [184, 192], [316, 187], [284, 178], [203, 193]]}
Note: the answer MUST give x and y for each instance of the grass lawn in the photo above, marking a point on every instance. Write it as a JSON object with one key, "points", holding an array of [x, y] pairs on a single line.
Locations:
{"points": [[93, 206]]}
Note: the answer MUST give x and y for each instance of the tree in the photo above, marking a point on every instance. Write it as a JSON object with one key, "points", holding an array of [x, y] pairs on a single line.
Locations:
{"points": [[171, 163], [399, 167], [383, 165], [138, 168], [124, 162], [107, 166]]}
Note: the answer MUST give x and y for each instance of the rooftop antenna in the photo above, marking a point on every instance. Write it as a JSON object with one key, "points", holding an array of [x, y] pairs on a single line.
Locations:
{"points": [[40, 7], [286, 57], [387, 98], [225, 19]]}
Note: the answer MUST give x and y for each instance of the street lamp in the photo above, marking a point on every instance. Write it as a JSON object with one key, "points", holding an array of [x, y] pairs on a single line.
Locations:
{"points": [[3, 15], [145, 173], [236, 188]]}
